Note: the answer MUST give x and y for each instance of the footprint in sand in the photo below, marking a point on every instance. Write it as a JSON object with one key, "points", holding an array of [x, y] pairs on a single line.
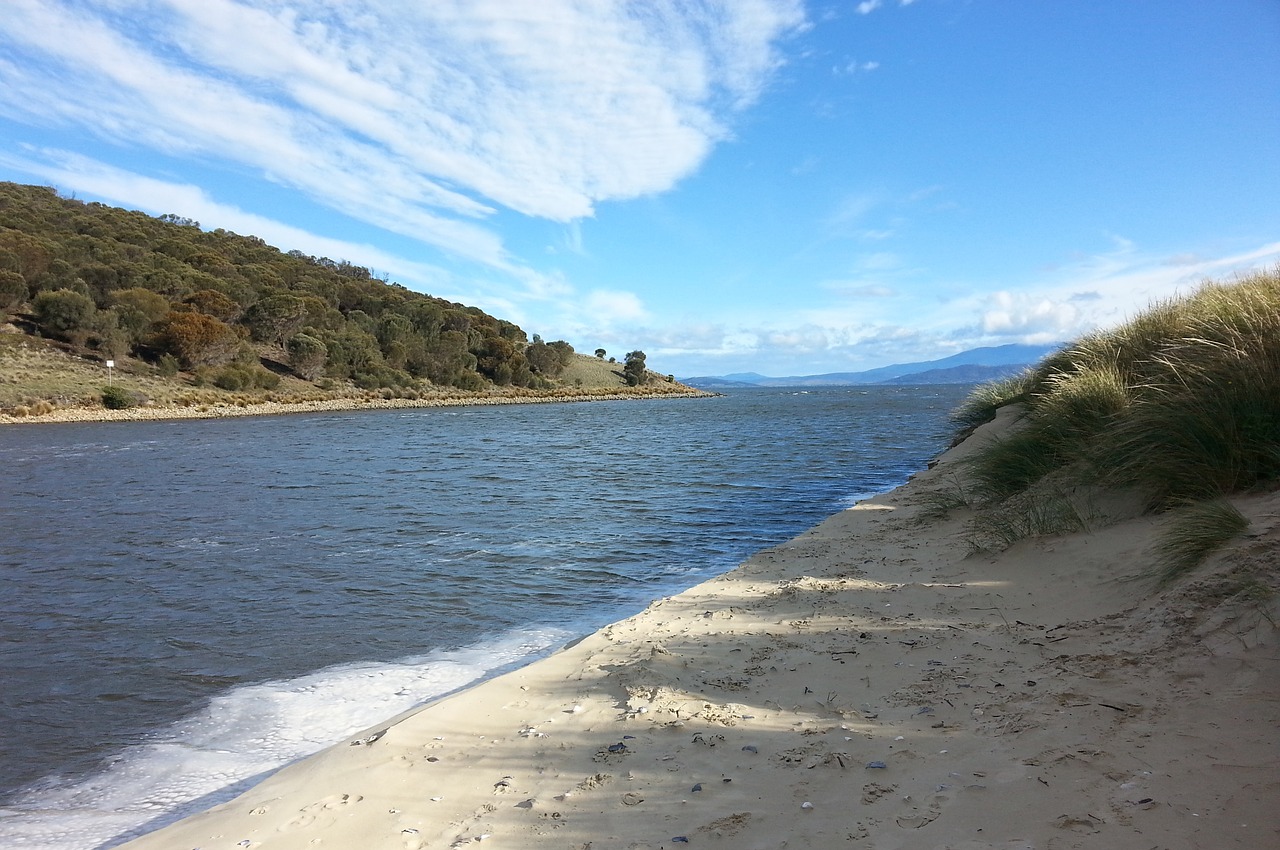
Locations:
{"points": [[309, 814], [873, 791], [917, 818]]}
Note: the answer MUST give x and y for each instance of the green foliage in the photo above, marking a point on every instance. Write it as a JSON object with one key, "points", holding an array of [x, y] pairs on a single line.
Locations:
{"points": [[137, 311], [1038, 514], [981, 405], [1194, 533], [447, 360], [469, 381], [196, 339], [600, 353], [1011, 464], [380, 376], [167, 366], [275, 317], [213, 302], [27, 253], [148, 269], [1181, 404], [237, 377], [548, 359], [106, 335], [117, 398], [351, 350], [13, 290], [307, 355], [64, 313], [633, 368]]}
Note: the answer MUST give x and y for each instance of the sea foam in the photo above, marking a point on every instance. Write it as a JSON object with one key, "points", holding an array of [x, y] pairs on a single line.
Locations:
{"points": [[242, 736]]}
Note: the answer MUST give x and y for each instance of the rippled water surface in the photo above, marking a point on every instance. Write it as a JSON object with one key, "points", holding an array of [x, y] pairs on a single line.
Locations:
{"points": [[189, 604]]}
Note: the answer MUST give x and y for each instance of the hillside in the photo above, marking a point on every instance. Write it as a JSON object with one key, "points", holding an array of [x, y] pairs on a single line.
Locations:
{"points": [[189, 317]]}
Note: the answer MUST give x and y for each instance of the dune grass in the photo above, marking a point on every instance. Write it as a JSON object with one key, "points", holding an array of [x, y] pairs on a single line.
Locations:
{"points": [[1195, 532], [1180, 404]]}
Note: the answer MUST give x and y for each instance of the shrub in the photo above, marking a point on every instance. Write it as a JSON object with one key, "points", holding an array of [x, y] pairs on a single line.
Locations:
{"points": [[469, 381], [381, 376], [307, 355], [633, 369], [64, 313], [117, 398], [138, 310], [240, 377], [196, 339], [167, 366], [13, 290]]}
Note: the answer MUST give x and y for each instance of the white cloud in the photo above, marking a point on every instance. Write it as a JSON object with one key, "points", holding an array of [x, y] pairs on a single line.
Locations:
{"points": [[858, 289], [854, 67], [412, 116], [866, 7], [1102, 290], [876, 329], [611, 307], [1025, 315]]}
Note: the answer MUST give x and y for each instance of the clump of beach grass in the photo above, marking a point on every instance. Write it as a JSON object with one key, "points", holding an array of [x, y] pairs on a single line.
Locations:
{"points": [[981, 405], [1181, 405], [1195, 532], [1036, 514]]}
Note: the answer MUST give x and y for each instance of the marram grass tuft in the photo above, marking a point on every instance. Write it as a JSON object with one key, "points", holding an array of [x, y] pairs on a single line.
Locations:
{"points": [[1181, 403]]}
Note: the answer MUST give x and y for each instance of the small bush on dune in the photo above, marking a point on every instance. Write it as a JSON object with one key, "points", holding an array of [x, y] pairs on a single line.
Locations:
{"points": [[1182, 404], [1194, 533]]}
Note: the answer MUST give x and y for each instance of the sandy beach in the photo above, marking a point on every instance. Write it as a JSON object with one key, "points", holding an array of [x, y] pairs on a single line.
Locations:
{"points": [[868, 684]]}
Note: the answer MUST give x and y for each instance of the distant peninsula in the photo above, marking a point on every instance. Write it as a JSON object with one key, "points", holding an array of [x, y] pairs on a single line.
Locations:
{"points": [[108, 313]]}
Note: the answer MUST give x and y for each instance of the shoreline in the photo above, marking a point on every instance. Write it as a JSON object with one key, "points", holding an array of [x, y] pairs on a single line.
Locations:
{"points": [[866, 684], [64, 415]]}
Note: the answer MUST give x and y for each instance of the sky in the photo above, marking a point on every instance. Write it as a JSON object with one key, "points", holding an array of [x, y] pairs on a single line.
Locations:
{"points": [[787, 187]]}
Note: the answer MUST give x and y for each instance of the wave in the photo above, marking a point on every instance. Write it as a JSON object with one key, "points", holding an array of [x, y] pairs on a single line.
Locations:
{"points": [[242, 736]]}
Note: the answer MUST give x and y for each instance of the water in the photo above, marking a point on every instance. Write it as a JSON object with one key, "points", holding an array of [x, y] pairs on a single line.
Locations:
{"points": [[189, 605]]}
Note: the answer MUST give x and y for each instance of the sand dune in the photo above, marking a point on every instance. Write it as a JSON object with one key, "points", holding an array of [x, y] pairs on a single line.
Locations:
{"points": [[869, 684]]}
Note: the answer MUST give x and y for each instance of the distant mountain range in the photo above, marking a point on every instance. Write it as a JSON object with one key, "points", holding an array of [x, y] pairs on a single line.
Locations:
{"points": [[968, 367]]}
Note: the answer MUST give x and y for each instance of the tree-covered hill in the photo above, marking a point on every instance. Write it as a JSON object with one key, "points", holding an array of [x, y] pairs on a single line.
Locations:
{"points": [[163, 297]]}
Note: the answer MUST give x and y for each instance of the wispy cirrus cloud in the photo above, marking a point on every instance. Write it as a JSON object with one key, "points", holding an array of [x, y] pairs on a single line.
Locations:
{"points": [[423, 119]]}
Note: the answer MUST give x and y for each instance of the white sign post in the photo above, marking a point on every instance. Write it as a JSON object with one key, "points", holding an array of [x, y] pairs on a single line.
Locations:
{"points": [[110, 365]]}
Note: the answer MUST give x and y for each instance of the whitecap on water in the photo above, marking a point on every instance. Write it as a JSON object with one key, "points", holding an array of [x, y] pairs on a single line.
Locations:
{"points": [[239, 738]]}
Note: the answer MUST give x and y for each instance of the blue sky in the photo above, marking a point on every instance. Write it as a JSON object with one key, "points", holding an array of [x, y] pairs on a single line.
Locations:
{"points": [[777, 186]]}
